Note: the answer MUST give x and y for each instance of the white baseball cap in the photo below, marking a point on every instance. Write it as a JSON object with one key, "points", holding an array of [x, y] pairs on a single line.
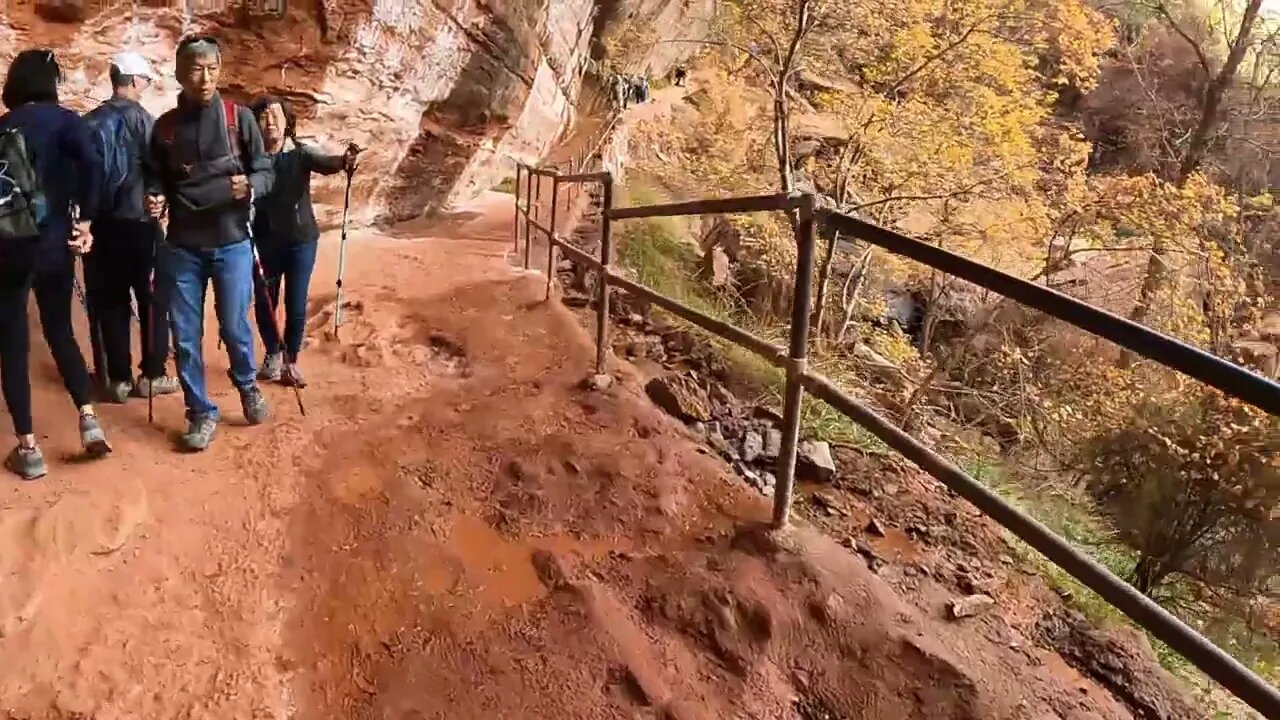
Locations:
{"points": [[131, 63]]}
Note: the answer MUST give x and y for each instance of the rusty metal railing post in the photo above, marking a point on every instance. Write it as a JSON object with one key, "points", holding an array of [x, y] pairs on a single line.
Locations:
{"points": [[515, 221], [551, 243], [537, 218], [602, 283], [529, 178], [793, 395]]}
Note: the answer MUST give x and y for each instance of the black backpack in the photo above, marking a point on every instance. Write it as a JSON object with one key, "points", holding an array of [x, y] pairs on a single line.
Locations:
{"points": [[22, 202]]}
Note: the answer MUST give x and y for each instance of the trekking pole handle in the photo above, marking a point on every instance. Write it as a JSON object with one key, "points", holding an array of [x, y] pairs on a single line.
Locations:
{"points": [[353, 150]]}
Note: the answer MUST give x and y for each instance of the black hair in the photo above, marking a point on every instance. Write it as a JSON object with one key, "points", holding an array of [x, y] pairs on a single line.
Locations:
{"points": [[33, 77], [119, 79], [262, 102]]}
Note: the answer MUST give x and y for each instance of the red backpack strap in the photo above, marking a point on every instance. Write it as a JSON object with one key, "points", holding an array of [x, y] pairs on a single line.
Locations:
{"points": [[233, 119], [235, 144]]}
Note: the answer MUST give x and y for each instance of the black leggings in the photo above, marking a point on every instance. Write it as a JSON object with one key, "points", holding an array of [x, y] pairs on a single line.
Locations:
{"points": [[51, 281]]}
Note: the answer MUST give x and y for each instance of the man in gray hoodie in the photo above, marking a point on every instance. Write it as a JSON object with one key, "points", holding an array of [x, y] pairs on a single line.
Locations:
{"points": [[206, 165]]}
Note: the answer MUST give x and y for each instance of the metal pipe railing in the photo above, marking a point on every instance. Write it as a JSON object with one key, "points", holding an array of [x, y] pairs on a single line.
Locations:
{"points": [[754, 203], [1214, 371], [1215, 663], [1187, 359]]}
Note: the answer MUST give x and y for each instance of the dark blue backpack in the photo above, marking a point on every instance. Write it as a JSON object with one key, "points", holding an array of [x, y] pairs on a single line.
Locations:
{"points": [[112, 137]]}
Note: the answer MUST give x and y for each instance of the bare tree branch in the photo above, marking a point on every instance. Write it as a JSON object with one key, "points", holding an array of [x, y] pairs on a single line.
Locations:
{"points": [[1163, 10]]}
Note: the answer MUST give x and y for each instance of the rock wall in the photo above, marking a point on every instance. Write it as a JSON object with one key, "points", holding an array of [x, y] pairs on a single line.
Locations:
{"points": [[444, 93]]}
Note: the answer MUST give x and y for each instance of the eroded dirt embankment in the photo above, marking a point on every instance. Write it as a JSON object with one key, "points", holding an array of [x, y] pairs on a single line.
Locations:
{"points": [[455, 530]]}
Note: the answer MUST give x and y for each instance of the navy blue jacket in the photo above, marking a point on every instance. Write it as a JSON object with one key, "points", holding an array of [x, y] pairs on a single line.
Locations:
{"points": [[138, 122], [68, 163]]}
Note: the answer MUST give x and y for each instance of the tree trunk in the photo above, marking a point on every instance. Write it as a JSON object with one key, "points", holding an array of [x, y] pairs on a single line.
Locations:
{"points": [[824, 278], [1211, 104], [1148, 574], [1157, 274], [859, 276], [781, 143]]}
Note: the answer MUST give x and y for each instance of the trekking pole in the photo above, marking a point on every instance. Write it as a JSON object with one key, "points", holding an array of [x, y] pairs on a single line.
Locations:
{"points": [[95, 327], [151, 319], [342, 245], [266, 296]]}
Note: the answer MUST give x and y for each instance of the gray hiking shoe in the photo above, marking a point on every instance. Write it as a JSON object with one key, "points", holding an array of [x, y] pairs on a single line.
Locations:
{"points": [[199, 433], [26, 463], [117, 392], [272, 366], [254, 405], [146, 387], [92, 438], [292, 376]]}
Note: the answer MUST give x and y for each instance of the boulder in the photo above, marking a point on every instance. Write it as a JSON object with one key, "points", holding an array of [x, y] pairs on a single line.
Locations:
{"points": [[1119, 660], [772, 445], [752, 446], [1260, 355], [970, 606], [716, 267], [814, 462], [681, 396]]}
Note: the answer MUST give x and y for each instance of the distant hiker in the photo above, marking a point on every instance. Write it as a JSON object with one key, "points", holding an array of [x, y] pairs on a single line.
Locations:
{"points": [[206, 164], [680, 75], [621, 91], [644, 89], [287, 235], [126, 241], [48, 162]]}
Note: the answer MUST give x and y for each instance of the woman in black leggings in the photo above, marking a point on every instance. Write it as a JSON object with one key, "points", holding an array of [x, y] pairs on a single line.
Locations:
{"points": [[287, 235], [69, 173]]}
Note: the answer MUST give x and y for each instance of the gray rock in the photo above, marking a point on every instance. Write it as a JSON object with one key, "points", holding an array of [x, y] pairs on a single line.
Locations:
{"points": [[752, 446], [718, 442], [600, 382], [971, 605], [772, 445], [814, 461]]}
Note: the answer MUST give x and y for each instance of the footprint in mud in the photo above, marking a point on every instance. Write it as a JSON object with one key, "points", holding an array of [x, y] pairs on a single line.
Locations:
{"points": [[443, 356], [34, 544], [21, 573]]}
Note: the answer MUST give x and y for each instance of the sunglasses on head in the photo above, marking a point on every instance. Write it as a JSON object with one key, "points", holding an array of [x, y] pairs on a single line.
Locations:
{"points": [[193, 39]]}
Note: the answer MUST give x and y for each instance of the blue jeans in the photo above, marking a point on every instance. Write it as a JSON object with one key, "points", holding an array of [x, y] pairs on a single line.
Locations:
{"points": [[186, 274], [291, 263]]}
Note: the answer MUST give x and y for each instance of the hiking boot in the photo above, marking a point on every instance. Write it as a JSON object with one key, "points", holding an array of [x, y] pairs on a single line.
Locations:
{"points": [[292, 376], [92, 438], [147, 387], [272, 366], [199, 433], [254, 405], [26, 463], [116, 392]]}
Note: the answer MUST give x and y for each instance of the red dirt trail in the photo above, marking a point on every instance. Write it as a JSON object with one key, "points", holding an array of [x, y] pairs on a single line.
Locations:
{"points": [[456, 530]]}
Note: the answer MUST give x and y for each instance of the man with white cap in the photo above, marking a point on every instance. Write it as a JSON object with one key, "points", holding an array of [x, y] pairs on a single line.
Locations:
{"points": [[125, 241]]}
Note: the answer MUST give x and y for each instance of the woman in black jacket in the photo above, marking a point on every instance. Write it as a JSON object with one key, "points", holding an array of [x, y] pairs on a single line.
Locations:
{"points": [[69, 170], [285, 229]]}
